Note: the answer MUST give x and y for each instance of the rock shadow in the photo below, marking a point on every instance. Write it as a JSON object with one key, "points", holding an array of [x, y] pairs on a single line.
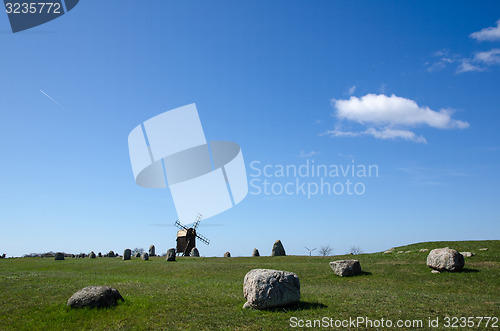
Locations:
{"points": [[301, 305]]}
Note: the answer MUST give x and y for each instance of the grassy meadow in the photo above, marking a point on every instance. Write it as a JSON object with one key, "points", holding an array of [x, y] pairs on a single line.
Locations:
{"points": [[206, 293]]}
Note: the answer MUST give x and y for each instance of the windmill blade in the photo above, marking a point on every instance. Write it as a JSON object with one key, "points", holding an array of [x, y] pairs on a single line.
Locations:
{"points": [[197, 220], [203, 239], [180, 226]]}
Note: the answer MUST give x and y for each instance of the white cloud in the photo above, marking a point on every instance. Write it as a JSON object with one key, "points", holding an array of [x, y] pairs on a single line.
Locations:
{"points": [[487, 34], [380, 109], [390, 117], [308, 154]]}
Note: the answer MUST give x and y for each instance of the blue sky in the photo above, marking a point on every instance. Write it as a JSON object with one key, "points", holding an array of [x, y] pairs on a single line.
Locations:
{"points": [[378, 83]]}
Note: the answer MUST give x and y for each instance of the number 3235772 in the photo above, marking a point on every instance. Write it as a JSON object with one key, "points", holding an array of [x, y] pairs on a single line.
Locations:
{"points": [[33, 8]]}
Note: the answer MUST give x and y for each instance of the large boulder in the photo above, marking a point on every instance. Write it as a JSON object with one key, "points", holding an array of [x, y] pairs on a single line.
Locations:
{"points": [[92, 255], [127, 254], [195, 252], [95, 297], [152, 250], [59, 256], [171, 254], [111, 254], [267, 288], [278, 249], [145, 256], [445, 259], [227, 254], [345, 268], [255, 252]]}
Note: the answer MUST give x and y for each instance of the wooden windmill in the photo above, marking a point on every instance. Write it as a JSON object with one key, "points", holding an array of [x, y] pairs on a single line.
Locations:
{"points": [[186, 236]]}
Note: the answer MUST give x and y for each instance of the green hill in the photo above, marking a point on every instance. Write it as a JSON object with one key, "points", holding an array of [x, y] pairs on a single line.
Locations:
{"points": [[206, 293]]}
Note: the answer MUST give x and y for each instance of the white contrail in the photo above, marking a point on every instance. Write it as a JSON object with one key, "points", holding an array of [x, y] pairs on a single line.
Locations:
{"points": [[48, 96]]}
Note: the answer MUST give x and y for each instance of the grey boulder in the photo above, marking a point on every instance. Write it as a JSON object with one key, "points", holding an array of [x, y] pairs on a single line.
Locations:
{"points": [[59, 256], [195, 252], [345, 268], [152, 250], [145, 256], [467, 254], [92, 255], [278, 249], [95, 297], [267, 288], [171, 254], [227, 254], [445, 259], [126, 254], [255, 252]]}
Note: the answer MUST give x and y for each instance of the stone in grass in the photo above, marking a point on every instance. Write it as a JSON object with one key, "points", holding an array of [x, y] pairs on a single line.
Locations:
{"points": [[346, 268], [152, 250], [278, 249], [92, 255], [137, 254], [255, 252], [145, 256], [483, 249], [227, 254], [194, 252], [423, 250], [388, 251], [95, 297], [171, 254], [467, 254], [267, 288], [111, 254], [435, 271], [99, 255], [126, 254], [445, 259], [59, 256]]}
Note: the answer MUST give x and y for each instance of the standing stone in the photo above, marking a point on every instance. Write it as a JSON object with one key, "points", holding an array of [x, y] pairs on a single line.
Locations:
{"points": [[99, 255], [145, 256], [445, 259], [92, 255], [95, 297], [137, 254], [111, 254], [152, 250], [59, 256], [195, 252], [171, 254], [255, 252], [126, 254], [344, 268], [266, 288], [227, 254], [278, 249]]}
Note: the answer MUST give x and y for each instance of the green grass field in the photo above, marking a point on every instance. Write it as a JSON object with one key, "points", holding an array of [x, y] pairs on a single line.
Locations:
{"points": [[206, 293]]}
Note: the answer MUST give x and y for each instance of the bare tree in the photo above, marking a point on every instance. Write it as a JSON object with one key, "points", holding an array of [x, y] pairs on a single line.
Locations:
{"points": [[355, 250], [137, 250], [326, 250]]}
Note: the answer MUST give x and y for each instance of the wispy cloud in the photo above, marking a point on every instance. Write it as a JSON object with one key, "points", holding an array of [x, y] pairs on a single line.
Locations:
{"points": [[479, 61], [308, 154], [351, 90], [389, 117], [48, 96], [487, 34]]}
